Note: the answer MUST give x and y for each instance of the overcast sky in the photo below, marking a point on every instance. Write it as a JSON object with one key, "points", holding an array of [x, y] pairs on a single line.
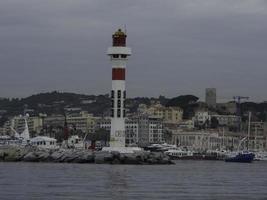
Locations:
{"points": [[179, 46]]}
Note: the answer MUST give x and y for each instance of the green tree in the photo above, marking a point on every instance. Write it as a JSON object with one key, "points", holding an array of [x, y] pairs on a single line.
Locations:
{"points": [[214, 123]]}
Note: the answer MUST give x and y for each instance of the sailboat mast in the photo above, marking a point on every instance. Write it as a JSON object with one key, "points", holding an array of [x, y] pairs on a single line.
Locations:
{"points": [[223, 138], [249, 121]]}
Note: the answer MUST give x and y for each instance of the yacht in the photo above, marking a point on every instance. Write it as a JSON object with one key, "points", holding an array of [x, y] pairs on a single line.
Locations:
{"points": [[261, 156], [242, 156], [215, 154], [23, 139], [75, 142], [180, 154], [160, 147]]}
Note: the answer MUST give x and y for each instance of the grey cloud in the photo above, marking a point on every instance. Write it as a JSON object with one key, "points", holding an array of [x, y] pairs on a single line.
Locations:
{"points": [[178, 46]]}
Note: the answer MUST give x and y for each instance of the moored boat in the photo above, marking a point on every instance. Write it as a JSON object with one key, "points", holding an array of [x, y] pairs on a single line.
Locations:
{"points": [[180, 154], [242, 157], [260, 156]]}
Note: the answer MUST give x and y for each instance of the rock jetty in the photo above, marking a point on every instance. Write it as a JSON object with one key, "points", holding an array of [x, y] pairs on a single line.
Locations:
{"points": [[30, 154]]}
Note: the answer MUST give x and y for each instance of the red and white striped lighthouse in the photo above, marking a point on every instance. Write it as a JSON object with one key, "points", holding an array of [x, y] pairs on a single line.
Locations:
{"points": [[118, 55]]}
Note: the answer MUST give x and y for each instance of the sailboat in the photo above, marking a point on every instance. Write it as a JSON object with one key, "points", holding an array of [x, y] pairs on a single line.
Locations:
{"points": [[22, 138], [242, 156]]}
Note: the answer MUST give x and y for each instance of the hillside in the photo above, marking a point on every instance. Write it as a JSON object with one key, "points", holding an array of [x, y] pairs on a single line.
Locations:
{"points": [[57, 102]]}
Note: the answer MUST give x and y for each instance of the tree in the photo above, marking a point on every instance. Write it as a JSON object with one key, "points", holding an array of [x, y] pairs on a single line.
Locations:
{"points": [[182, 101], [186, 102], [3, 119], [214, 123]]}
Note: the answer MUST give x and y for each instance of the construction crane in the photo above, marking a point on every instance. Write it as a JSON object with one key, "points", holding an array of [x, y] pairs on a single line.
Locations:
{"points": [[238, 99]]}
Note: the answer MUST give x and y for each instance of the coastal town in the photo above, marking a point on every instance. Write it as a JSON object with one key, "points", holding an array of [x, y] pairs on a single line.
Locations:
{"points": [[183, 121], [133, 100], [182, 127]]}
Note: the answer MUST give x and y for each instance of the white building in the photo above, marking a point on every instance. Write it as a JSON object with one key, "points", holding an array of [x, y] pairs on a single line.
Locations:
{"points": [[3, 131], [44, 142], [35, 124], [258, 136], [171, 115], [186, 124], [54, 121], [204, 140], [226, 120], [131, 129], [155, 130], [82, 121], [201, 118], [141, 131]]}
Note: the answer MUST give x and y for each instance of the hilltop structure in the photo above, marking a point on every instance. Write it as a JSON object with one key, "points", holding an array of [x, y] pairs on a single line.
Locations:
{"points": [[211, 97]]}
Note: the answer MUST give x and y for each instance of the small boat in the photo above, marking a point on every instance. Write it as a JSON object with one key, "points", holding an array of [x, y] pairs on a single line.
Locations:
{"points": [[75, 142], [215, 155], [242, 157], [160, 147], [186, 154], [22, 139], [260, 156], [180, 154]]}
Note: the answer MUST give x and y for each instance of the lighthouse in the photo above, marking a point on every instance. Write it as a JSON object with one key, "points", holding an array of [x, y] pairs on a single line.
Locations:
{"points": [[118, 54]]}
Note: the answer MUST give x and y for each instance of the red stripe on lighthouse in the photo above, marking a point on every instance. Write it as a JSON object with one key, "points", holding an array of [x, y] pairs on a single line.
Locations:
{"points": [[118, 74]]}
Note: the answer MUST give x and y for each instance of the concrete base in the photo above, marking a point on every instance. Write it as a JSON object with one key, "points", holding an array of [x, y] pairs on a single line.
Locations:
{"points": [[122, 149]]}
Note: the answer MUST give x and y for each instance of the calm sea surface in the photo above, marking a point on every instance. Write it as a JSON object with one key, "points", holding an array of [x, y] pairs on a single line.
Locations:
{"points": [[185, 180]]}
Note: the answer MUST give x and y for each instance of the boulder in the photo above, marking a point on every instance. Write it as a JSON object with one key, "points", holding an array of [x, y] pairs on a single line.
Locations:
{"points": [[69, 156], [102, 157], [56, 156], [115, 155], [116, 161], [12, 155], [88, 157], [3, 155], [83, 156], [32, 154], [43, 156], [131, 159], [30, 157]]}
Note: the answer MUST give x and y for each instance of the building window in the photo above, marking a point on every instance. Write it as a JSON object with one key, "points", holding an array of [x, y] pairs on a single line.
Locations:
{"points": [[119, 103], [124, 104], [119, 113], [112, 113], [112, 94], [124, 113], [112, 103], [124, 94], [123, 56], [119, 94], [115, 55]]}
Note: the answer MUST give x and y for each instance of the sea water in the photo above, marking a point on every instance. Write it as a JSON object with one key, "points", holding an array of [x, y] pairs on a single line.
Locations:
{"points": [[186, 180]]}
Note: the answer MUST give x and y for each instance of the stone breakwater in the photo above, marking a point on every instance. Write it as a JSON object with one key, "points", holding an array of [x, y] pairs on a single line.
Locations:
{"points": [[29, 154]]}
